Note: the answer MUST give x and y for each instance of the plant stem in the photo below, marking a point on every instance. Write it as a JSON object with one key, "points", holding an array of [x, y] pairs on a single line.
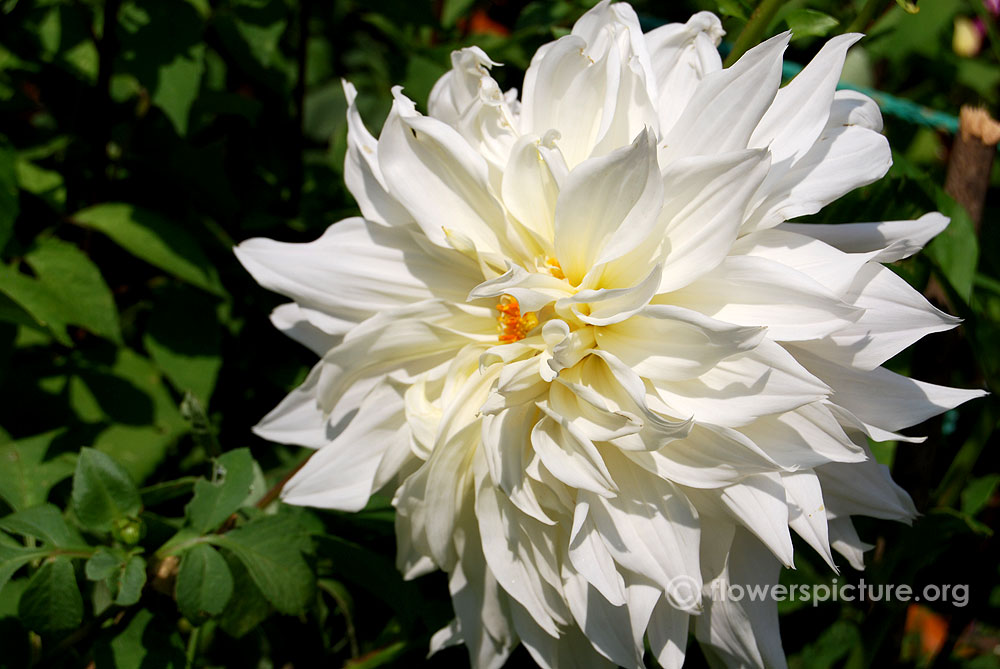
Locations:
{"points": [[867, 14], [754, 30]]}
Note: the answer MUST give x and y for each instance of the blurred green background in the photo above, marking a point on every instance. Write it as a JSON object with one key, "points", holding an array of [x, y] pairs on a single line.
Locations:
{"points": [[141, 139]]}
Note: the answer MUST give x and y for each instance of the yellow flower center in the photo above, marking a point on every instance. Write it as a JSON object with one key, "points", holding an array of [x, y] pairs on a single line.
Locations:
{"points": [[512, 324]]}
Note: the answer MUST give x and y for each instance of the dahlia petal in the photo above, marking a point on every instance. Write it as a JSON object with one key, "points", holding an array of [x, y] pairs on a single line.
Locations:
{"points": [[607, 207], [668, 633], [745, 633], [727, 105], [591, 559], [648, 519], [704, 200], [824, 264], [883, 398], [530, 188], [571, 650], [420, 336], [854, 108], [801, 109], [481, 609], [298, 419], [758, 503], [805, 437], [806, 513], [507, 550], [507, 456], [571, 457], [605, 626], [431, 169], [895, 317], [607, 306], [682, 54], [362, 174], [744, 387], [864, 488], [747, 290], [297, 323], [458, 88], [894, 240], [564, 90], [708, 457], [341, 473], [844, 539], [668, 343], [376, 267], [842, 159]]}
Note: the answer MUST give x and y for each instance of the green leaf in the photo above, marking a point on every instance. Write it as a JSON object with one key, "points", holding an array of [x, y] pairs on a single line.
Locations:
{"points": [[14, 556], [45, 523], [76, 282], [146, 642], [733, 8], [27, 472], [151, 237], [184, 338], [271, 550], [162, 47], [47, 185], [103, 491], [130, 581], [214, 501], [52, 601], [130, 396], [247, 607], [37, 300], [956, 250], [452, 10], [978, 493], [204, 584], [810, 23], [104, 563], [9, 205]]}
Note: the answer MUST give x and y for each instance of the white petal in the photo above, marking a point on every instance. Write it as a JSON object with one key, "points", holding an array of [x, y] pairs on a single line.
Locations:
{"points": [[565, 90], [842, 159], [755, 291], [439, 179], [844, 539], [295, 322], [362, 173], [744, 387], [355, 269], [708, 457], [682, 54], [703, 206], [340, 475], [806, 511], [607, 207], [649, 518], [590, 557], [801, 109], [671, 343], [530, 188], [894, 240], [298, 419], [864, 488], [895, 317], [571, 457], [806, 437], [727, 105], [821, 262], [883, 398], [668, 632]]}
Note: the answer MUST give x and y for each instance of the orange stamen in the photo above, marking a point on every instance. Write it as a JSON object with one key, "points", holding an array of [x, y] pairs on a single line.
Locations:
{"points": [[513, 326]]}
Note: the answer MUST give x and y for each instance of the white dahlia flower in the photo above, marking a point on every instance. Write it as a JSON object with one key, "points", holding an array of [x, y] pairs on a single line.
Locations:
{"points": [[576, 337]]}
